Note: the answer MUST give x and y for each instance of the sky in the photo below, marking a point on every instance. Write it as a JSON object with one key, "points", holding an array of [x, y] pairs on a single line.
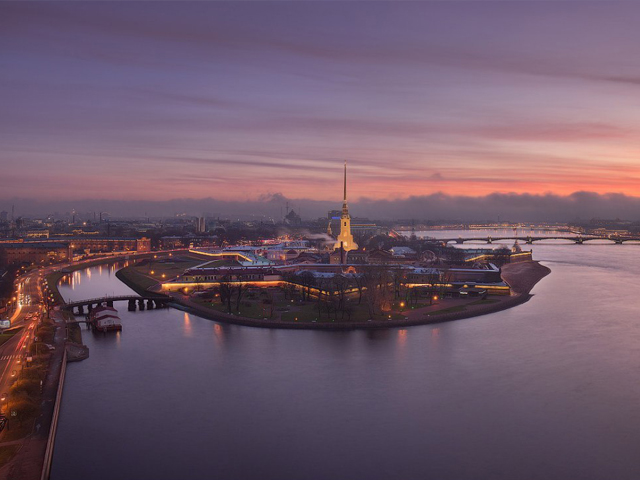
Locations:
{"points": [[247, 101]]}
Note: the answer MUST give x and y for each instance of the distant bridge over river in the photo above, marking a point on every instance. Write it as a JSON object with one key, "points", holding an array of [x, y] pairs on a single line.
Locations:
{"points": [[577, 239], [135, 301]]}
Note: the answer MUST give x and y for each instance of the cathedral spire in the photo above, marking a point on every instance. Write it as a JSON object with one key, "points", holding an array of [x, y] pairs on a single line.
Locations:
{"points": [[345, 181], [345, 208]]}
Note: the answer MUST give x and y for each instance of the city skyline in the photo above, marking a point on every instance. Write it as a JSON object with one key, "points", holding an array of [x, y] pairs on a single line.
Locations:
{"points": [[245, 103]]}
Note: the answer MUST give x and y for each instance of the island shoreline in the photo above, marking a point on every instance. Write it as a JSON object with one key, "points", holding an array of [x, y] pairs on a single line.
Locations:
{"points": [[521, 277]]}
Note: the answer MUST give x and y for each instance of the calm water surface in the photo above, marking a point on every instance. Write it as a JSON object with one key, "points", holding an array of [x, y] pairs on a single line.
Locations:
{"points": [[547, 390]]}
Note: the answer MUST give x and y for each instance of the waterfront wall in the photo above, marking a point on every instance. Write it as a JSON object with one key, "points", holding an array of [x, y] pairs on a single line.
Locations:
{"points": [[48, 456]]}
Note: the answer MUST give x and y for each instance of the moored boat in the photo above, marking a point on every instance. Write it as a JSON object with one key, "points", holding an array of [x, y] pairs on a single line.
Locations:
{"points": [[104, 319]]}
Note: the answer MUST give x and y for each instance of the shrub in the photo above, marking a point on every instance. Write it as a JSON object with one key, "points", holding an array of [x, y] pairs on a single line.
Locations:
{"points": [[24, 406], [33, 373], [28, 387]]}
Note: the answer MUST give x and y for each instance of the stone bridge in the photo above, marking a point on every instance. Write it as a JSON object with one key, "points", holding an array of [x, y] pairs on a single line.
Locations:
{"points": [[134, 301], [577, 239]]}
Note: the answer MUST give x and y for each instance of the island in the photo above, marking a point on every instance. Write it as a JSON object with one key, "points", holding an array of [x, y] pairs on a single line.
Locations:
{"points": [[297, 295]]}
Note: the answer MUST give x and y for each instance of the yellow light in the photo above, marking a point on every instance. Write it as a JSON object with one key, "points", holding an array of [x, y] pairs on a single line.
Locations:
{"points": [[435, 297], [152, 272], [402, 304]]}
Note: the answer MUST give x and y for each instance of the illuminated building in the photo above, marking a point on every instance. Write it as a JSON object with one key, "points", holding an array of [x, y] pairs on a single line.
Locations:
{"points": [[345, 239], [36, 253]]}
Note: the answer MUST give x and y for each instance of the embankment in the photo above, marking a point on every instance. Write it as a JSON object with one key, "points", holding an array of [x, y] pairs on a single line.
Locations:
{"points": [[523, 276]]}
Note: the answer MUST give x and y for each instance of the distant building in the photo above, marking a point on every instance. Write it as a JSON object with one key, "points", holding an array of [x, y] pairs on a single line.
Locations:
{"points": [[201, 225], [37, 234], [334, 215], [403, 252], [378, 256], [143, 244], [172, 243], [370, 229], [91, 244], [357, 256], [110, 244], [292, 218], [4, 216], [34, 253]]}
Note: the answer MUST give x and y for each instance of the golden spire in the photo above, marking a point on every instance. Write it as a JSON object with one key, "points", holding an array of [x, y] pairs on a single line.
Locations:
{"points": [[345, 181], [345, 209]]}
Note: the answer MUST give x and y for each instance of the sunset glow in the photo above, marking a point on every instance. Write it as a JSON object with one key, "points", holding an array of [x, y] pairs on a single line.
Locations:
{"points": [[236, 102]]}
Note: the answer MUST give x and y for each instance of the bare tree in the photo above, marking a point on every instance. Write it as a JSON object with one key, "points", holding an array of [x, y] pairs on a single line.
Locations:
{"points": [[307, 280], [359, 284], [226, 291], [378, 289], [241, 287]]}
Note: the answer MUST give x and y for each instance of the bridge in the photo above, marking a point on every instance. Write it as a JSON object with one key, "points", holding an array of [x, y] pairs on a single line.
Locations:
{"points": [[152, 301], [577, 239]]}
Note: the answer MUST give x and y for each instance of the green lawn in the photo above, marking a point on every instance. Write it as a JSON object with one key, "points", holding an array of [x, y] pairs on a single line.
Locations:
{"points": [[461, 308], [135, 280], [457, 308], [484, 301], [249, 309], [308, 312]]}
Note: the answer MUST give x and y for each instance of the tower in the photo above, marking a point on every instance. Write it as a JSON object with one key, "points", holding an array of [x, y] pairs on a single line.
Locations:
{"points": [[345, 238]]}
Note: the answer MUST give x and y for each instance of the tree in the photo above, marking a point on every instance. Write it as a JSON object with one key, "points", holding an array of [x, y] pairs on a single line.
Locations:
{"points": [[398, 277], [376, 282], [358, 282], [226, 291], [241, 287], [307, 280]]}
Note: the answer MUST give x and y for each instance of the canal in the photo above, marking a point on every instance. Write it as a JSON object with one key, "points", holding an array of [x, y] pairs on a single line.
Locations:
{"points": [[547, 390]]}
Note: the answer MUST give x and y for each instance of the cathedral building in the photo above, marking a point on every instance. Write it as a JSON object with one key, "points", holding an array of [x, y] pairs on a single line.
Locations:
{"points": [[345, 238]]}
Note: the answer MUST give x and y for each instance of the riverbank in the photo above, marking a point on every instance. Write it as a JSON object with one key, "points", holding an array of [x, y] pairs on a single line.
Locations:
{"points": [[53, 278], [521, 277]]}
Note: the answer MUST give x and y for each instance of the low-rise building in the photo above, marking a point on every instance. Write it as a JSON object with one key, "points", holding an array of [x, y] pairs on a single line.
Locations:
{"points": [[207, 277], [34, 253]]}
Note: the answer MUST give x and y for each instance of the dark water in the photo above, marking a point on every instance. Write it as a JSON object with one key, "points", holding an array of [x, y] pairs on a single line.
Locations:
{"points": [[548, 390]]}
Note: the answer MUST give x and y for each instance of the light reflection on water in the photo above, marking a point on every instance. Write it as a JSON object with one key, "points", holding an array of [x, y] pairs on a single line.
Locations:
{"points": [[187, 325], [543, 391]]}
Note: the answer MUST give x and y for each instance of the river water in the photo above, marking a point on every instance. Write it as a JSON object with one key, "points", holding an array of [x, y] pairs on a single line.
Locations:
{"points": [[547, 390]]}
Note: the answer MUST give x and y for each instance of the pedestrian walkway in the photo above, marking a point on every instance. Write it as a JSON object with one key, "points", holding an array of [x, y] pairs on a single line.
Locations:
{"points": [[10, 357]]}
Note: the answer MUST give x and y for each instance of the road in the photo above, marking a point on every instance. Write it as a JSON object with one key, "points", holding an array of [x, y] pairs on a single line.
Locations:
{"points": [[28, 463], [13, 353]]}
